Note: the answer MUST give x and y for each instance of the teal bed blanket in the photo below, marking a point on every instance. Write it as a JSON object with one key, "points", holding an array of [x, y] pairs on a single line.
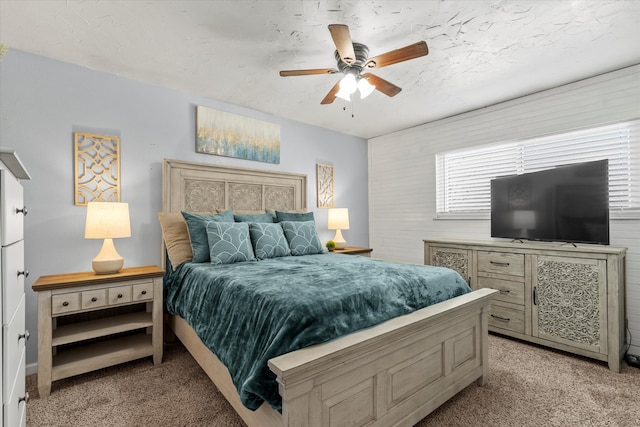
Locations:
{"points": [[249, 312]]}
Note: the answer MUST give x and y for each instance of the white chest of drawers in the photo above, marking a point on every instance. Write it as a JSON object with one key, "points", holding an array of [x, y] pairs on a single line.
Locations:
{"points": [[12, 297]]}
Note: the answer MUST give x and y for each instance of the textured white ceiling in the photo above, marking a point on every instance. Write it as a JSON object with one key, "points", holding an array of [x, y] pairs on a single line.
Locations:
{"points": [[480, 51]]}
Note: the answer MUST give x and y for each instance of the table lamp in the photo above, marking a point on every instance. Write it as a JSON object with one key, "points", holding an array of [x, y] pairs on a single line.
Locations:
{"points": [[108, 221], [339, 220]]}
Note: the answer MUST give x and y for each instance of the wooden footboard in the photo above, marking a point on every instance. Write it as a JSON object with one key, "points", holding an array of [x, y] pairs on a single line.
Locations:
{"points": [[393, 374]]}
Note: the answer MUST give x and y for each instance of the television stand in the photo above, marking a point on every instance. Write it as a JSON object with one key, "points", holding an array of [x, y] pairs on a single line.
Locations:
{"points": [[570, 298]]}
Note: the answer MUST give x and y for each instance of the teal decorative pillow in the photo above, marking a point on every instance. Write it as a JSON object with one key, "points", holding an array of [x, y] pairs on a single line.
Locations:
{"points": [[268, 240], [229, 242], [302, 237], [196, 224], [264, 217], [291, 216]]}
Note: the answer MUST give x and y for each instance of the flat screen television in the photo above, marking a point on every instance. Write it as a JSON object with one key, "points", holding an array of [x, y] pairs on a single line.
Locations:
{"points": [[565, 204]]}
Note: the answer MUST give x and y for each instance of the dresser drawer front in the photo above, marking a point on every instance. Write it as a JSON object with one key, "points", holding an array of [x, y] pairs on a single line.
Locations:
{"points": [[501, 263], [13, 273], [15, 406], [13, 342], [65, 303], [119, 295], [94, 299], [143, 292], [507, 318], [12, 204], [510, 290]]}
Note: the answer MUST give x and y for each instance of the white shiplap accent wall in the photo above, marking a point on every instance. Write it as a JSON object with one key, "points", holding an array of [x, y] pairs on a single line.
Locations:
{"points": [[402, 198]]}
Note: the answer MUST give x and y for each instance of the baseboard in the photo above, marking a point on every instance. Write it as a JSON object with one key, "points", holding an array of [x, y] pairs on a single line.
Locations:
{"points": [[31, 369]]}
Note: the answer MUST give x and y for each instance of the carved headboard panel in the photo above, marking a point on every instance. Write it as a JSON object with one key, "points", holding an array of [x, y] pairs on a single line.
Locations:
{"points": [[201, 187]]}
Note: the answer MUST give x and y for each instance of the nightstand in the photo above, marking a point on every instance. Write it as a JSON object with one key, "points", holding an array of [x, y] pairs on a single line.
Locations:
{"points": [[354, 250], [88, 321]]}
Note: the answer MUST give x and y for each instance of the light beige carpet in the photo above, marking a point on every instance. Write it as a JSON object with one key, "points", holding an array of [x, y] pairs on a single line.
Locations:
{"points": [[528, 386]]}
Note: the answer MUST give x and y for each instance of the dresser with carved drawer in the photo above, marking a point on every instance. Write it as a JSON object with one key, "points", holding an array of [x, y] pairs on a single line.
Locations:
{"points": [[565, 296]]}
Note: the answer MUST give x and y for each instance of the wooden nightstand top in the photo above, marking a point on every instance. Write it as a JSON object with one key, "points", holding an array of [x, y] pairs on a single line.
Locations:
{"points": [[59, 281], [353, 250]]}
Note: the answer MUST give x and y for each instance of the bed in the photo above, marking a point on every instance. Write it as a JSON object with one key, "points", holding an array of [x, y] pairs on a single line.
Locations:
{"points": [[390, 373]]}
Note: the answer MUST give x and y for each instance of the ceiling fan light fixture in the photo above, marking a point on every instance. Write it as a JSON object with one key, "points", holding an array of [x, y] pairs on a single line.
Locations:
{"points": [[365, 88], [348, 84], [343, 95]]}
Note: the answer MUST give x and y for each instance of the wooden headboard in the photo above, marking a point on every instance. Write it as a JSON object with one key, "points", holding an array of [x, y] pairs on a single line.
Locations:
{"points": [[202, 187]]}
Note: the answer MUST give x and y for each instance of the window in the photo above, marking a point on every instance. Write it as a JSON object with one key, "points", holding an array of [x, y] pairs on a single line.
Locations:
{"points": [[463, 176]]}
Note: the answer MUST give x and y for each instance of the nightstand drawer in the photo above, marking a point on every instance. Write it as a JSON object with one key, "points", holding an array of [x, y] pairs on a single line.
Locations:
{"points": [[94, 299], [65, 303], [501, 263], [143, 292], [119, 295]]}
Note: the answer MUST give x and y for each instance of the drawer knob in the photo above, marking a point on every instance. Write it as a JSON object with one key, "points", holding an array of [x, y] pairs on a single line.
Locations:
{"points": [[94, 299], [24, 398], [65, 304], [23, 211], [26, 336], [24, 273], [119, 295], [143, 292], [503, 292]]}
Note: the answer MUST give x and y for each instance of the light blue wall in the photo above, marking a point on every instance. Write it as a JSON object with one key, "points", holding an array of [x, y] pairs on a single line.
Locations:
{"points": [[42, 102]]}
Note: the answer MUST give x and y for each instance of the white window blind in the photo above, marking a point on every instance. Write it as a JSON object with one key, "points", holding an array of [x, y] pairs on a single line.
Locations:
{"points": [[463, 177]]}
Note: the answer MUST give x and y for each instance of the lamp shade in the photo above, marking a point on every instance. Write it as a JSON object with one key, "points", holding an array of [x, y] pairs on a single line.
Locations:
{"points": [[348, 84], [365, 88], [107, 220], [338, 219]]}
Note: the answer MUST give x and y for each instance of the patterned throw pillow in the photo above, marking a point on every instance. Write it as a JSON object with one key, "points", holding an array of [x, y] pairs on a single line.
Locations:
{"points": [[229, 242], [196, 223], [302, 237], [268, 240]]}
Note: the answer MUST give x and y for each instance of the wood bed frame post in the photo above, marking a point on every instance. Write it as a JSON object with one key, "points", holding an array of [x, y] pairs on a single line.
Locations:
{"points": [[484, 321]]}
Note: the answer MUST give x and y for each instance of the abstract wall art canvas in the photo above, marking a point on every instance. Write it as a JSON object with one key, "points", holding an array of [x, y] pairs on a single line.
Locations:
{"points": [[230, 135]]}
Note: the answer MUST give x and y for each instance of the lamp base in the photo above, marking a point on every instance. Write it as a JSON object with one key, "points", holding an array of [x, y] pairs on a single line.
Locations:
{"points": [[108, 261], [340, 242]]}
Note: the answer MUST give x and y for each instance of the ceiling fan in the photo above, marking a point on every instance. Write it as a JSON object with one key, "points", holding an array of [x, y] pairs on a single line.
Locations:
{"points": [[353, 58]]}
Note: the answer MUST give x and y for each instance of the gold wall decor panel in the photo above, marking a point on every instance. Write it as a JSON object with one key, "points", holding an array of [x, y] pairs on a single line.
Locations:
{"points": [[97, 168], [324, 178]]}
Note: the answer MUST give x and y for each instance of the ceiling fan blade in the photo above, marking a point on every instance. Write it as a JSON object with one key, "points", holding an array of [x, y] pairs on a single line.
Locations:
{"points": [[331, 96], [342, 40], [415, 50], [382, 85], [288, 73]]}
